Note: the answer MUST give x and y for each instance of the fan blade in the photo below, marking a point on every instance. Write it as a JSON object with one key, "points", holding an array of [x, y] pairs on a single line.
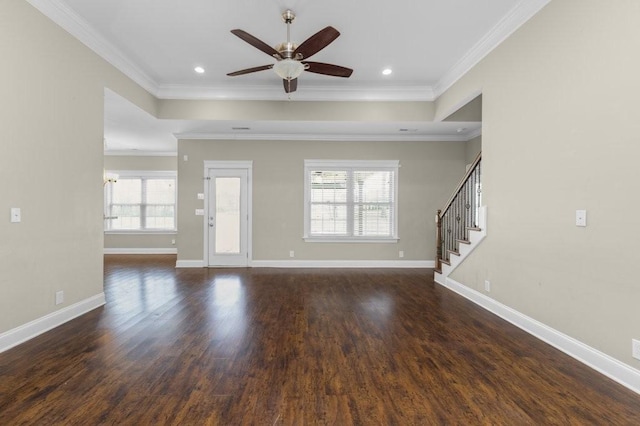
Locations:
{"points": [[250, 70], [328, 69], [257, 43], [290, 85], [316, 42]]}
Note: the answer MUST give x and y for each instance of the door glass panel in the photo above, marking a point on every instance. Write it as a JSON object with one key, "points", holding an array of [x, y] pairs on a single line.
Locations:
{"points": [[227, 215]]}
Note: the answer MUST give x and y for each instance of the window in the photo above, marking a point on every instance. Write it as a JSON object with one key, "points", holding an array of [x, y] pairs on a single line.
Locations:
{"points": [[350, 200], [141, 201]]}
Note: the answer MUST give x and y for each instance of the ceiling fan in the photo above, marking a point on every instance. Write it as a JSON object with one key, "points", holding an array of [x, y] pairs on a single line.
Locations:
{"points": [[292, 59]]}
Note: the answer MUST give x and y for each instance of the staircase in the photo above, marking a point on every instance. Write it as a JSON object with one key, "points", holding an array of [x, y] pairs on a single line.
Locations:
{"points": [[461, 224]]}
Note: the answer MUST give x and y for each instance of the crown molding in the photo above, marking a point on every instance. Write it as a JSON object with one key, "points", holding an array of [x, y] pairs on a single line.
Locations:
{"points": [[61, 14], [520, 14], [132, 153], [323, 137], [310, 93], [474, 134]]}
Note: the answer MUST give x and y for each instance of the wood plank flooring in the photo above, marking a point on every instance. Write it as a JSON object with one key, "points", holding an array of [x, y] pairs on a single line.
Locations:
{"points": [[295, 347]]}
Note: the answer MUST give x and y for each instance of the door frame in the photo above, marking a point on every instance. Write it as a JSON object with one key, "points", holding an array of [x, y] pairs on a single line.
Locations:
{"points": [[214, 164]]}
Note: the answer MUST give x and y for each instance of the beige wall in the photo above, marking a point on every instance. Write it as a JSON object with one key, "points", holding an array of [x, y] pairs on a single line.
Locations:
{"points": [[295, 111], [471, 111], [428, 173], [148, 243], [51, 107], [162, 241], [561, 128], [140, 162], [472, 149]]}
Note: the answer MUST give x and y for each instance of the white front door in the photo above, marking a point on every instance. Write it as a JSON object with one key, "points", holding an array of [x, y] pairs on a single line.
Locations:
{"points": [[227, 220]]}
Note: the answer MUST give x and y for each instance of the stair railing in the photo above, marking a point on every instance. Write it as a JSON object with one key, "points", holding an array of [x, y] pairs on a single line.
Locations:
{"points": [[460, 214]]}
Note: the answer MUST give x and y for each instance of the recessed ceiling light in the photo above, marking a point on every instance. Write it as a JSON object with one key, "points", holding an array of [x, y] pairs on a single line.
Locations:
{"points": [[408, 130], [241, 128], [199, 70], [387, 71]]}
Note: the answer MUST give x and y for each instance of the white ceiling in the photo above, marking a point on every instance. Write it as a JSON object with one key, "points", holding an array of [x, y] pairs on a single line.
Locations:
{"points": [[429, 44]]}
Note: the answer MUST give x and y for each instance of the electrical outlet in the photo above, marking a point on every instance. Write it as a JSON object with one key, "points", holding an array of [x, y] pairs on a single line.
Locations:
{"points": [[635, 348], [59, 297], [292, 253], [173, 241], [401, 253], [487, 286]]}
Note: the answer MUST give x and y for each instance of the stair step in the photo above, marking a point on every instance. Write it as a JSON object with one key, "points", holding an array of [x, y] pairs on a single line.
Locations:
{"points": [[464, 241], [446, 262], [457, 253], [438, 270], [474, 229]]}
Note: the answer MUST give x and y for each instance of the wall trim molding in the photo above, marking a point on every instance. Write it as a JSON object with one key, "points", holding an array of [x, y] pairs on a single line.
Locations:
{"points": [[316, 137], [140, 251], [518, 16], [131, 153], [316, 93], [322, 264], [28, 331], [343, 264], [190, 264], [591, 357]]}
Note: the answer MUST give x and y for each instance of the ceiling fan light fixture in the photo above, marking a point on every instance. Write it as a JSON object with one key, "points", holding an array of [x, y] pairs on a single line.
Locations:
{"points": [[288, 69]]}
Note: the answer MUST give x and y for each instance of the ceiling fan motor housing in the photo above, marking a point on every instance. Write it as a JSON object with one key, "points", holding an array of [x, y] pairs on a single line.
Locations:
{"points": [[286, 50]]}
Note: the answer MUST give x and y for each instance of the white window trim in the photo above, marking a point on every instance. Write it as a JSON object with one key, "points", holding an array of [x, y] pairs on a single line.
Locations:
{"points": [[145, 174], [392, 165]]}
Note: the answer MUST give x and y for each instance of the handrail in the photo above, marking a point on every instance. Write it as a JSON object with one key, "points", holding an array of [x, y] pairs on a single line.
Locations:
{"points": [[461, 184], [459, 214]]}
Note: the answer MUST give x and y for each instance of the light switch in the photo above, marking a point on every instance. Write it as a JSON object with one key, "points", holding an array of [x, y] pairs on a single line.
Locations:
{"points": [[581, 218], [16, 215], [200, 196], [199, 212]]}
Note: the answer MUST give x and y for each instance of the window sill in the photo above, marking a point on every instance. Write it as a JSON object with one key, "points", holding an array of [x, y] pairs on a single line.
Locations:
{"points": [[350, 240]]}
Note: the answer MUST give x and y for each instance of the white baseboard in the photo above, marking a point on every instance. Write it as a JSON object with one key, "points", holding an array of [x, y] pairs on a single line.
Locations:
{"points": [[343, 263], [140, 251], [322, 264], [190, 264], [599, 361], [28, 331]]}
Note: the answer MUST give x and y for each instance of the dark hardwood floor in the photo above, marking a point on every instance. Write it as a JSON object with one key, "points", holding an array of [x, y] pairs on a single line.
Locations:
{"points": [[295, 347]]}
